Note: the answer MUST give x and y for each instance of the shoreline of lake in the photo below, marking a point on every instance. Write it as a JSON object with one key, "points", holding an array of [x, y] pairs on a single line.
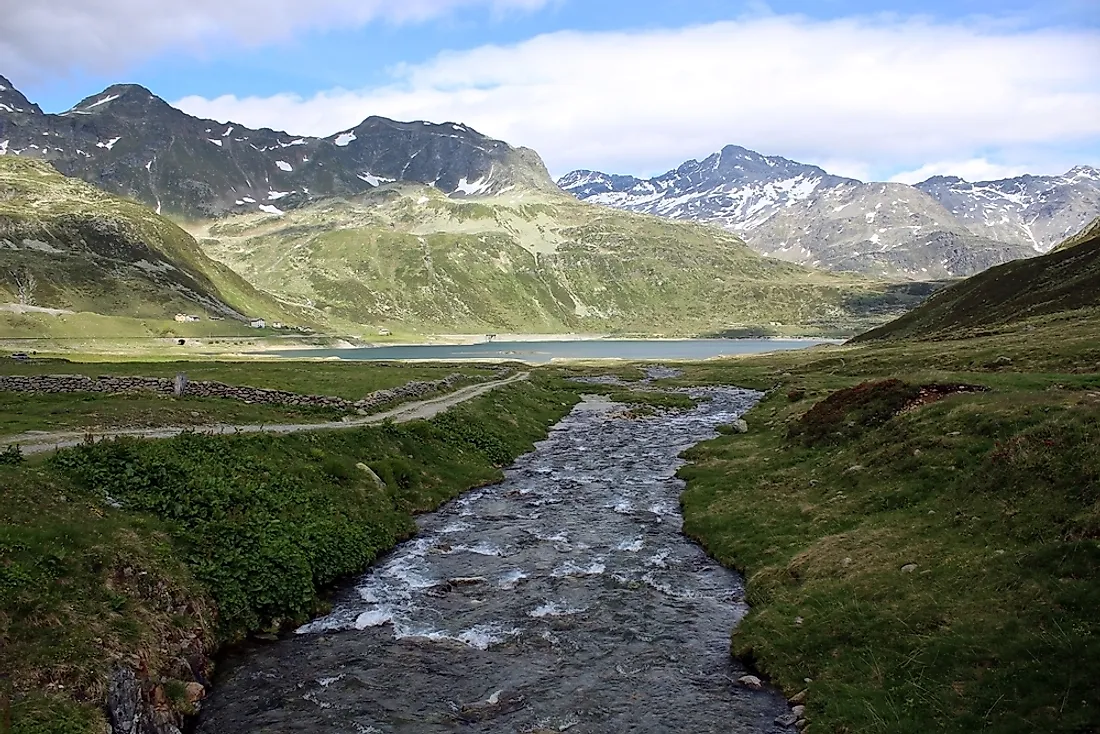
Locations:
{"points": [[551, 350]]}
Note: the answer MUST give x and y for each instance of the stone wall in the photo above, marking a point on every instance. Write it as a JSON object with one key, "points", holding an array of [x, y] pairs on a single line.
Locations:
{"points": [[212, 389]]}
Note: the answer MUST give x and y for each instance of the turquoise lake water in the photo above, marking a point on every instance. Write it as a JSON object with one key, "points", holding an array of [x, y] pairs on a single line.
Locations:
{"points": [[639, 349]]}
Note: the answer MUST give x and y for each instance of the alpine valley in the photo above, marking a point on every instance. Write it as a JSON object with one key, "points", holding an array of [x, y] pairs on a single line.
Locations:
{"points": [[421, 228]]}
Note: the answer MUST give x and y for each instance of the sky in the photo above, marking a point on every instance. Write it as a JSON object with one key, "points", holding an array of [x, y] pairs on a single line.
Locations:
{"points": [[875, 89]]}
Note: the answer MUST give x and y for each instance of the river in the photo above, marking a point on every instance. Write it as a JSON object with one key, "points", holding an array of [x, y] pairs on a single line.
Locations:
{"points": [[565, 598], [535, 351]]}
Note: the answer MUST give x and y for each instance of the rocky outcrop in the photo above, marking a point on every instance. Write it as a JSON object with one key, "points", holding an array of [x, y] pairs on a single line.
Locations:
{"points": [[130, 711], [214, 389]]}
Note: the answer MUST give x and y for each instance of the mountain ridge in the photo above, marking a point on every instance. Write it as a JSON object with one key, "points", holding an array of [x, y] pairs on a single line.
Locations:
{"points": [[791, 210], [131, 142]]}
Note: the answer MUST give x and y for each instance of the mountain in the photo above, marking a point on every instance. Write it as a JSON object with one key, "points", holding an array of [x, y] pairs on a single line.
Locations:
{"points": [[1063, 284], [69, 247], [128, 141], [1035, 211], [939, 229], [407, 255], [421, 226], [736, 188]]}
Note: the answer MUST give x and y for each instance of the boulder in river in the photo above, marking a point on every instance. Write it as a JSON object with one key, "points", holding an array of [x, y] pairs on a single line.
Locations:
{"points": [[751, 682]]}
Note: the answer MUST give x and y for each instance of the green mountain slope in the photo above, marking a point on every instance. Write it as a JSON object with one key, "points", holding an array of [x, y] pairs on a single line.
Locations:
{"points": [[68, 246], [1064, 283], [409, 257]]}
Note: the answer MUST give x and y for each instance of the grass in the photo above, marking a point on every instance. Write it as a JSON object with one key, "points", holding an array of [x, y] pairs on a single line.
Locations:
{"points": [[409, 259], [217, 537], [25, 412], [933, 569], [21, 412], [351, 380]]}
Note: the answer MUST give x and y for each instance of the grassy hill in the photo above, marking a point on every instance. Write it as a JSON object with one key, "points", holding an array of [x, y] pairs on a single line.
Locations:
{"points": [[408, 257], [1063, 284], [71, 250]]}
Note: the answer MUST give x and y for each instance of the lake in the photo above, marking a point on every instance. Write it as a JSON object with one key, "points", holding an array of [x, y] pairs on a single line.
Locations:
{"points": [[535, 351]]}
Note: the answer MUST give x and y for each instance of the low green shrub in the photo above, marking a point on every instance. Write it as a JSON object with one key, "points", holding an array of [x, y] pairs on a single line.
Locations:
{"points": [[847, 413]]}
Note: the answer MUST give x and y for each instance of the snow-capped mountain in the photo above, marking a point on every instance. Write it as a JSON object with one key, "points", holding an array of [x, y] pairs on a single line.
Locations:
{"points": [[941, 228], [736, 188], [1037, 211], [129, 141]]}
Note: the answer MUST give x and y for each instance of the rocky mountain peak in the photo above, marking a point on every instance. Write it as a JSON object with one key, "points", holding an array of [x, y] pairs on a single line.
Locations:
{"points": [[941, 181], [128, 101], [1084, 172], [13, 102]]}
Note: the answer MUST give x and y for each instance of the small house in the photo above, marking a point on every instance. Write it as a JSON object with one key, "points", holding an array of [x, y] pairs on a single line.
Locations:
{"points": [[384, 332], [257, 323]]}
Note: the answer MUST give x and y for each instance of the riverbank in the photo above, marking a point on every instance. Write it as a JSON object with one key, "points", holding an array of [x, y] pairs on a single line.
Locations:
{"points": [[916, 560], [149, 555]]}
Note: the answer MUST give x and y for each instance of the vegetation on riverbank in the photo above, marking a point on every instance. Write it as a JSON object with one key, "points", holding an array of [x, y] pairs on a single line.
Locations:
{"points": [[928, 563], [151, 554]]}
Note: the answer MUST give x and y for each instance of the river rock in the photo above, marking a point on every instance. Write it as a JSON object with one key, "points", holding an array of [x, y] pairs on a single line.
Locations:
{"points": [[786, 720], [751, 682], [195, 692], [800, 697], [740, 426], [378, 482], [909, 568]]}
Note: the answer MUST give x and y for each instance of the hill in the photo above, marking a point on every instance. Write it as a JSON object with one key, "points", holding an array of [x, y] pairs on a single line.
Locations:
{"points": [[70, 248], [409, 256], [1063, 284], [1090, 232]]}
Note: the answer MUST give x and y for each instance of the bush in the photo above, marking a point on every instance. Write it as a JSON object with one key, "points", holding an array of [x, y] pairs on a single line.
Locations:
{"points": [[11, 455], [847, 413], [264, 524]]}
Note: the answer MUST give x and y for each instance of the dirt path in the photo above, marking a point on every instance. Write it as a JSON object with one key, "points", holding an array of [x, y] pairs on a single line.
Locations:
{"points": [[36, 442]]}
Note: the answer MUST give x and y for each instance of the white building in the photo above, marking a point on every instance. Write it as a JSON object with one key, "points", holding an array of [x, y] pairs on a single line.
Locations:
{"points": [[257, 323]]}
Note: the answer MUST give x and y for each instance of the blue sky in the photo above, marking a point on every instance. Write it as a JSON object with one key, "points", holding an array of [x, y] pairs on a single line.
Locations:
{"points": [[274, 64]]}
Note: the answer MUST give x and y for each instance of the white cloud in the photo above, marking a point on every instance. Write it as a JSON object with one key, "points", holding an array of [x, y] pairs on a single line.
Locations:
{"points": [[46, 36], [975, 169], [876, 93]]}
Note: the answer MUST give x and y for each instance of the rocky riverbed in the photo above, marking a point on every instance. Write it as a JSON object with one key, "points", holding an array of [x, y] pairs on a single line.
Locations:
{"points": [[564, 599]]}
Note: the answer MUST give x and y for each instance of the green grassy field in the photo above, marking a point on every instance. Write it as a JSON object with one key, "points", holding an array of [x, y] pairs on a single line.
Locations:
{"points": [[351, 380], [935, 570], [24, 412]]}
